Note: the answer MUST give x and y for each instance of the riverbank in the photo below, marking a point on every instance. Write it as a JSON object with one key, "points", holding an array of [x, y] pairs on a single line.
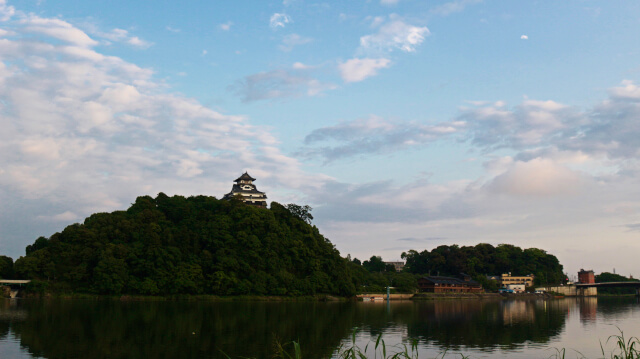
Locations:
{"points": [[188, 298], [375, 297], [442, 296]]}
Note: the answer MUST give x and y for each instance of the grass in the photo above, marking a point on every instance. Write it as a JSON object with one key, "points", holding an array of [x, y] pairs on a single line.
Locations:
{"points": [[625, 348]]}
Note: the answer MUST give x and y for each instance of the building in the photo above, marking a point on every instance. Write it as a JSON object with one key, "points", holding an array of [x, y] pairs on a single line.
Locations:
{"points": [[246, 191], [586, 277], [439, 284], [507, 279], [397, 265]]}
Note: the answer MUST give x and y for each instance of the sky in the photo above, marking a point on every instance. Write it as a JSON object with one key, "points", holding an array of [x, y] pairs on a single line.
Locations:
{"points": [[405, 124]]}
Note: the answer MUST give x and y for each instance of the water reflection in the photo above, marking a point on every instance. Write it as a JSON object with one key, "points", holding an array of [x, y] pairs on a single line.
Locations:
{"points": [[486, 325], [98, 329], [588, 309]]}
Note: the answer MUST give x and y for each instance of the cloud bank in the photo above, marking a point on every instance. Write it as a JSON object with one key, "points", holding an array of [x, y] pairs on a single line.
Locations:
{"points": [[84, 132]]}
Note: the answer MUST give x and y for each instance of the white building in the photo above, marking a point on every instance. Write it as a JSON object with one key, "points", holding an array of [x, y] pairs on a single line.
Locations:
{"points": [[246, 191]]}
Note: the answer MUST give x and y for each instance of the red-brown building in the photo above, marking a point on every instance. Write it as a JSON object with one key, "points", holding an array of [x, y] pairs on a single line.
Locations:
{"points": [[586, 277], [438, 284]]}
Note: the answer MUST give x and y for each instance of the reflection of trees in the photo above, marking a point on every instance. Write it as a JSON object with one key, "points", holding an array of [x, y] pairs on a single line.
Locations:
{"points": [[90, 329], [486, 324], [616, 307], [98, 329], [588, 309], [9, 314]]}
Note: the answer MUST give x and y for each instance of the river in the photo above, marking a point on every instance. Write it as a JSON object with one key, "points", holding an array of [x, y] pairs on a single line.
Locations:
{"points": [[67, 328]]}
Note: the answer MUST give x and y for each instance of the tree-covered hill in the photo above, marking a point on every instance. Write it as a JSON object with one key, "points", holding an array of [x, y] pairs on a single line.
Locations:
{"points": [[612, 277], [196, 245], [484, 259]]}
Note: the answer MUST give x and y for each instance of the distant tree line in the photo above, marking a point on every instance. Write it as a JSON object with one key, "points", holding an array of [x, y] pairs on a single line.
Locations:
{"points": [[611, 277], [485, 259]]}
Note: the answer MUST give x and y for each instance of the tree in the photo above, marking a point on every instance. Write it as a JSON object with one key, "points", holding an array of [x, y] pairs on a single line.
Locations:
{"points": [[417, 263], [610, 277], [6, 267], [302, 212], [374, 264]]}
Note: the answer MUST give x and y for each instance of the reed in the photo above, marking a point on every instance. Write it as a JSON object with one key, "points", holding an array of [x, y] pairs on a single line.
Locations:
{"points": [[624, 348]]}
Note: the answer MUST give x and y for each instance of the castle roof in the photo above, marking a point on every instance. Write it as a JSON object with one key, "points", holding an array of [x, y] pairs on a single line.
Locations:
{"points": [[245, 177], [237, 189]]}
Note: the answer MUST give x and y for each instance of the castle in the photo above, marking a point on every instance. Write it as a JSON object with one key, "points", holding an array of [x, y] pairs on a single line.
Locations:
{"points": [[246, 191]]}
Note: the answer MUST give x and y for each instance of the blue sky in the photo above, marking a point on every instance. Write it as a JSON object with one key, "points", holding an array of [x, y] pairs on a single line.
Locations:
{"points": [[405, 124]]}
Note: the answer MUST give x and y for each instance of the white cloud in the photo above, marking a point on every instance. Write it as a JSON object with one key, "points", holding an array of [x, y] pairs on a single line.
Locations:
{"points": [[173, 29], [58, 29], [138, 42], [529, 124], [537, 177], [301, 66], [372, 135], [279, 20], [453, 7], [628, 90], [524, 37], [66, 216], [356, 70], [394, 34], [280, 84], [122, 36], [292, 40], [226, 26], [84, 132], [6, 12]]}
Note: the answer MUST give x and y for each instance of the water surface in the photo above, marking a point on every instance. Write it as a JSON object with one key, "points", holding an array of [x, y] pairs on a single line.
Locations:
{"points": [[479, 329]]}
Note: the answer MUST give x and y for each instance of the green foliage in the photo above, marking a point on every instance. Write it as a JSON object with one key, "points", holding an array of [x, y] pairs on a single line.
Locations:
{"points": [[626, 348], [196, 245], [374, 264], [398, 351], [302, 212], [611, 277], [485, 259], [6, 267]]}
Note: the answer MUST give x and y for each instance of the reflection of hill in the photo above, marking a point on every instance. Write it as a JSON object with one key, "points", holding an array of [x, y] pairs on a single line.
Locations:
{"points": [[98, 329], [89, 329], [486, 324], [8, 315], [612, 308], [456, 323]]}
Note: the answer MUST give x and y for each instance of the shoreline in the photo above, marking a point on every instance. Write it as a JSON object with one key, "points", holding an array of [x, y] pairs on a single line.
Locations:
{"points": [[313, 298]]}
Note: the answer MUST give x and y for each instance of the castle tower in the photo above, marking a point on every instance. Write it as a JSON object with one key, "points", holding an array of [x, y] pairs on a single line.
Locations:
{"points": [[246, 191]]}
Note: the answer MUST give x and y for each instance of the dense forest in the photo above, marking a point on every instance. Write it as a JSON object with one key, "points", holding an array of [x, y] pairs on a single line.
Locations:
{"points": [[6, 267], [196, 245], [485, 259], [201, 245], [612, 277]]}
